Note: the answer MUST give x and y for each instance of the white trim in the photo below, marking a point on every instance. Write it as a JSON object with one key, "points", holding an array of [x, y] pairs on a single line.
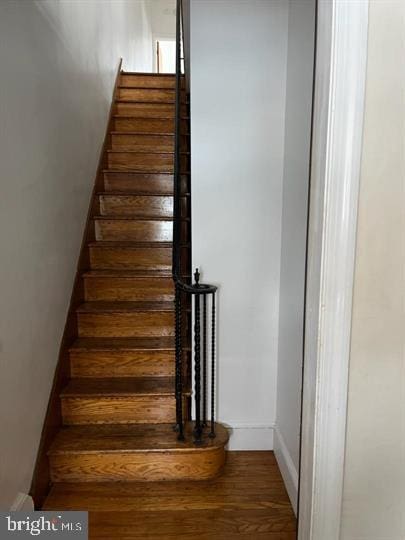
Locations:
{"points": [[155, 39], [245, 436], [22, 503], [337, 138], [287, 467]]}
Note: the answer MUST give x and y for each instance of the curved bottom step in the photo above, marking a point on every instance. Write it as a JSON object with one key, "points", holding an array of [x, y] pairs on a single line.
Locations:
{"points": [[131, 452]]}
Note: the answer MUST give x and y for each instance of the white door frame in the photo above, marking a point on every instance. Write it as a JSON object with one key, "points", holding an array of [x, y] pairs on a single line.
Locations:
{"points": [[340, 73]]}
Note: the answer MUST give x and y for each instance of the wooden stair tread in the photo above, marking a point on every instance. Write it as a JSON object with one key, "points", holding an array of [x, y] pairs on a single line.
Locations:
{"points": [[133, 171], [141, 133], [128, 244], [131, 438], [133, 244], [128, 273], [140, 87], [147, 117], [162, 102], [137, 218], [124, 307], [141, 173], [140, 151], [119, 387], [125, 344], [138, 194], [148, 74], [151, 150]]}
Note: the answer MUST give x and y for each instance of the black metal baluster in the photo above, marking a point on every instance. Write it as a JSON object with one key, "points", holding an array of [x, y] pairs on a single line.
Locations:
{"points": [[204, 360], [212, 432], [202, 392], [197, 363], [179, 368]]}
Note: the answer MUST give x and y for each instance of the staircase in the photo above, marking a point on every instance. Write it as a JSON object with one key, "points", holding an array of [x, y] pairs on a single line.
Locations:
{"points": [[117, 402]]}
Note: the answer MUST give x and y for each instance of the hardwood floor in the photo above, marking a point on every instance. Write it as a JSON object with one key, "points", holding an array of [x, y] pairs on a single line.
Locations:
{"points": [[248, 501]]}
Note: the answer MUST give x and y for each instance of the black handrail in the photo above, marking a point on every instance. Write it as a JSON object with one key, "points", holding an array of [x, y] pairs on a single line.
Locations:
{"points": [[182, 288]]}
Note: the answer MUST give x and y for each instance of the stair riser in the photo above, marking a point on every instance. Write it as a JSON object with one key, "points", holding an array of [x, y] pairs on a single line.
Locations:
{"points": [[127, 141], [146, 94], [130, 258], [107, 364], [149, 110], [122, 258], [139, 324], [144, 161], [140, 206], [137, 466], [118, 410], [128, 289], [148, 81], [136, 205], [152, 162], [144, 125], [142, 183], [136, 231]]}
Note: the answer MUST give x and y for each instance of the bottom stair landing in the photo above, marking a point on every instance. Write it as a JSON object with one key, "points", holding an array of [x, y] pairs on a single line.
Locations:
{"points": [[131, 452], [247, 502]]}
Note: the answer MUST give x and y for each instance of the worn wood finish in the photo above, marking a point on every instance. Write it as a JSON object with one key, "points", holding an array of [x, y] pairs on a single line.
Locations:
{"points": [[130, 181], [118, 400], [123, 357], [139, 386], [126, 319], [115, 410], [135, 324], [127, 181], [137, 466], [147, 124], [154, 438], [134, 255], [134, 230], [142, 141], [121, 363], [131, 255], [136, 205], [146, 94], [133, 452], [248, 501], [140, 161], [148, 81], [146, 110], [145, 160], [124, 286]]}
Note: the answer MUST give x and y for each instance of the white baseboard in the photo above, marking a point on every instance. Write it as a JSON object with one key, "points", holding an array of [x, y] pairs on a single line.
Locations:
{"points": [[22, 503], [250, 437], [287, 467]]}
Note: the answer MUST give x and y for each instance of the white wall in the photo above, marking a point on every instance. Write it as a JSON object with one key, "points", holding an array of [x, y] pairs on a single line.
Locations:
{"points": [[162, 15], [238, 74], [301, 27], [374, 484], [58, 62]]}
